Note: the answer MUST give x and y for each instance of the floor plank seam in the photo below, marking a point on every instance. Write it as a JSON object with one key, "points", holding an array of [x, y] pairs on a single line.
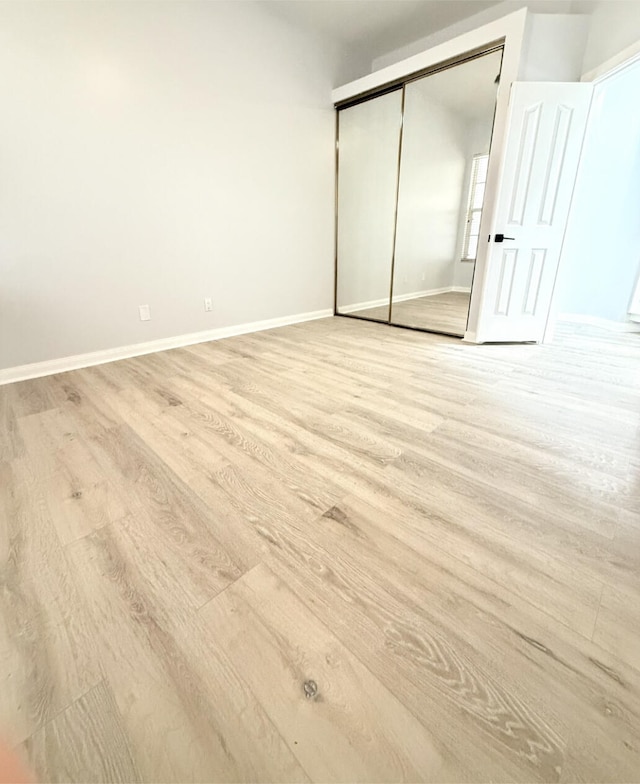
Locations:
{"points": [[597, 615], [222, 591], [17, 746]]}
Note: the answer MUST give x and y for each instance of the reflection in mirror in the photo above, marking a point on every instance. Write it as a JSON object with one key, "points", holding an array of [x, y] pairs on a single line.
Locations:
{"points": [[368, 145], [448, 121]]}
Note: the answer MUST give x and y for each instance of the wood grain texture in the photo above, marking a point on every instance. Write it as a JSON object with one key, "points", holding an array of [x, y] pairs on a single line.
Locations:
{"points": [[85, 742], [317, 693], [327, 552], [617, 627], [187, 715], [48, 655]]}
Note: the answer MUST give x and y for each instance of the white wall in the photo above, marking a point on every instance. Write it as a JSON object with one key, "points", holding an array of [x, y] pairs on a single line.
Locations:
{"points": [[615, 25], [158, 152], [601, 253], [554, 47]]}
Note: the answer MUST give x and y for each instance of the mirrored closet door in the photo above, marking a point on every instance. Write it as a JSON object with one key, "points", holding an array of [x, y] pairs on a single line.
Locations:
{"points": [[448, 120], [412, 167], [368, 149]]}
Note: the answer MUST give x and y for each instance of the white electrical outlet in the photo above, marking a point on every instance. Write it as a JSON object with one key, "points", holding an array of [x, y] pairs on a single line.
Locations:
{"points": [[145, 313], [208, 304], [424, 276]]}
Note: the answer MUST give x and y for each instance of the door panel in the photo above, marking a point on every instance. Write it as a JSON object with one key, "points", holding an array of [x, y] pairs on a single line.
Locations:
{"points": [[546, 127], [368, 149], [448, 124]]}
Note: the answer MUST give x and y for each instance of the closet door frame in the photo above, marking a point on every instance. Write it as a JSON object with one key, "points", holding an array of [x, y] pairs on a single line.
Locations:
{"points": [[400, 83]]}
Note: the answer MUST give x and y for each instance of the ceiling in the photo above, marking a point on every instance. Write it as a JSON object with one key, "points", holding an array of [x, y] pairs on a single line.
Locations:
{"points": [[376, 26], [371, 28]]}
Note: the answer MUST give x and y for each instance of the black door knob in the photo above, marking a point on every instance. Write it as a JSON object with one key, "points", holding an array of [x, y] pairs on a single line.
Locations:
{"points": [[502, 238]]}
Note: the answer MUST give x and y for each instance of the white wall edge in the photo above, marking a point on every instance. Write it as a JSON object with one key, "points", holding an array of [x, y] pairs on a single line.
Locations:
{"points": [[510, 25], [62, 365], [596, 321]]}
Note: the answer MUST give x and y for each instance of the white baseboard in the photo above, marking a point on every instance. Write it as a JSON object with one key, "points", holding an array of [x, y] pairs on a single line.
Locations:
{"points": [[376, 303], [51, 366], [596, 321]]}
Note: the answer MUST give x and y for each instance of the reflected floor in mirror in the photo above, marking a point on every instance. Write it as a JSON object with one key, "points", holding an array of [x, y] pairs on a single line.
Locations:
{"points": [[446, 312]]}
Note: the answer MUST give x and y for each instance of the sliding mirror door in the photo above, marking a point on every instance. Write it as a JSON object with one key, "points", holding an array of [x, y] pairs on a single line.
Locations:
{"points": [[448, 121], [368, 149]]}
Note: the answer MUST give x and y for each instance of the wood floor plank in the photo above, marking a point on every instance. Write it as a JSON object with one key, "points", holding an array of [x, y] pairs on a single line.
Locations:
{"points": [[228, 432], [445, 538], [177, 517], [492, 511], [48, 657], [79, 397], [617, 627], [550, 667], [85, 742], [599, 487], [591, 507], [567, 593], [32, 397], [187, 716], [401, 645], [316, 692], [570, 434], [11, 445], [79, 496], [455, 496]]}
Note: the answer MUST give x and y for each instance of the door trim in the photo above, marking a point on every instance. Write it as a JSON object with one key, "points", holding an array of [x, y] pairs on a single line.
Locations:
{"points": [[401, 81]]}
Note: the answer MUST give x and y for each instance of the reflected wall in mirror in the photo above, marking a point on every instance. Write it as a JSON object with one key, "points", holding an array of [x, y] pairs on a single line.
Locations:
{"points": [[368, 148], [448, 121]]}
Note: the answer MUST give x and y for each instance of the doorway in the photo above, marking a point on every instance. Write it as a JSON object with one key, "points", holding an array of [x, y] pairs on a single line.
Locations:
{"points": [[600, 267]]}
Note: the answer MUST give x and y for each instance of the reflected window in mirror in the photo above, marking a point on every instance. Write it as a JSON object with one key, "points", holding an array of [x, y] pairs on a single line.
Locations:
{"points": [[477, 184]]}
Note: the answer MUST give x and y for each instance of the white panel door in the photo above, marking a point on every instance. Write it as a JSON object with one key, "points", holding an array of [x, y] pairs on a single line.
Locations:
{"points": [[546, 126]]}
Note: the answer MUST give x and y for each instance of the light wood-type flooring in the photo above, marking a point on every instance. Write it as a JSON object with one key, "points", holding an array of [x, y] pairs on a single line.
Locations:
{"points": [[329, 552], [445, 312]]}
